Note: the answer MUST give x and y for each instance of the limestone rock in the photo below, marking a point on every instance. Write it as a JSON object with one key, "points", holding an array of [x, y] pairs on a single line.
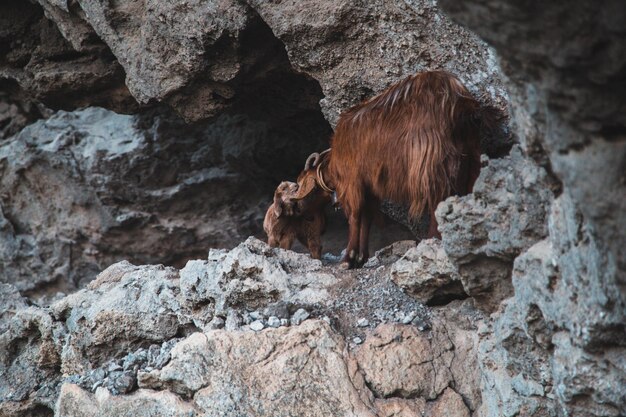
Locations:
{"points": [[426, 273], [399, 361], [292, 371], [125, 307], [81, 191], [75, 402], [255, 275], [483, 232]]}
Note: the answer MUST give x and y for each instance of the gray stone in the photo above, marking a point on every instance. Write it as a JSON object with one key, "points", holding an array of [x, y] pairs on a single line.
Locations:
{"points": [[233, 320], [254, 275], [299, 316], [363, 322], [426, 274], [279, 309], [273, 321], [257, 325], [483, 232], [217, 323]]}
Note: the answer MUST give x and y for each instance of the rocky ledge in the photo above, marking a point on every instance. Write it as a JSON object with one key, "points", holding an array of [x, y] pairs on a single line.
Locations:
{"points": [[252, 328]]}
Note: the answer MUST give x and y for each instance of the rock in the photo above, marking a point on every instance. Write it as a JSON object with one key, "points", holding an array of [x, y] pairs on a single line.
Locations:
{"points": [[10, 302], [273, 321], [299, 316], [297, 370], [426, 273], [254, 275], [217, 323], [362, 322], [125, 307], [233, 320], [568, 299], [389, 254], [255, 315], [81, 191], [395, 344], [483, 232], [408, 317], [17, 112], [450, 404], [30, 352], [279, 309], [257, 325], [42, 62], [398, 361], [73, 401], [357, 340]]}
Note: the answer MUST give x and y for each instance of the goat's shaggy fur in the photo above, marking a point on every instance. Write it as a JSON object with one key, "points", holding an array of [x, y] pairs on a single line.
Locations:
{"points": [[416, 143], [288, 219]]}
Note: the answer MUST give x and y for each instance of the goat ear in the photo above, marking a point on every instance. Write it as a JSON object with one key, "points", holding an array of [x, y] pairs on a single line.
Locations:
{"points": [[307, 186], [278, 209]]}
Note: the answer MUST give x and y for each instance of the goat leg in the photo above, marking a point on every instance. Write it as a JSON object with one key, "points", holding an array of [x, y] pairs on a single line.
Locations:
{"points": [[367, 218], [286, 241], [432, 227], [315, 247], [350, 258]]}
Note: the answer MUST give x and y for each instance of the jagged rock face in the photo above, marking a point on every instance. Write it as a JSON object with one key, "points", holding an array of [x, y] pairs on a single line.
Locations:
{"points": [[63, 64], [539, 245], [202, 57], [85, 189], [565, 68], [483, 232], [135, 331], [258, 69], [566, 76]]}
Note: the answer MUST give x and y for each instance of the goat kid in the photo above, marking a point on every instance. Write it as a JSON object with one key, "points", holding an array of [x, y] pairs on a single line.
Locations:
{"points": [[416, 143], [288, 219]]}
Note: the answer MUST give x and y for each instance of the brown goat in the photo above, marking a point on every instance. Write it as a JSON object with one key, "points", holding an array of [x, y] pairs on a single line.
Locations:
{"points": [[416, 143], [288, 219]]}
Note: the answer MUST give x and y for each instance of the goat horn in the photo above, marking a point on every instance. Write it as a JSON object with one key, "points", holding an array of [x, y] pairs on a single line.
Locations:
{"points": [[313, 158]]}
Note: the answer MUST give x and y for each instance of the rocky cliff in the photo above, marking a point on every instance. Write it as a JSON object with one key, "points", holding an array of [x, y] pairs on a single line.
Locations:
{"points": [[150, 132]]}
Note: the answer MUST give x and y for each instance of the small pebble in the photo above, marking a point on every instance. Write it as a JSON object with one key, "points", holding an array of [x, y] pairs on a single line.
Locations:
{"points": [[279, 309], [357, 340], [423, 327], [299, 316], [256, 315], [409, 317], [363, 322], [326, 319], [114, 367], [233, 320], [257, 325], [284, 322], [273, 321], [217, 323]]}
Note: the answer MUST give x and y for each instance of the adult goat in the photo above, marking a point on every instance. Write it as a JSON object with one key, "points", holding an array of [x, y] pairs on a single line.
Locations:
{"points": [[416, 143]]}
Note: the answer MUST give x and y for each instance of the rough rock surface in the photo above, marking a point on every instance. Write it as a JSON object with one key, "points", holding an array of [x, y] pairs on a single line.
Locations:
{"points": [[553, 349], [539, 245], [82, 190], [426, 273], [135, 336], [483, 232], [204, 55]]}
